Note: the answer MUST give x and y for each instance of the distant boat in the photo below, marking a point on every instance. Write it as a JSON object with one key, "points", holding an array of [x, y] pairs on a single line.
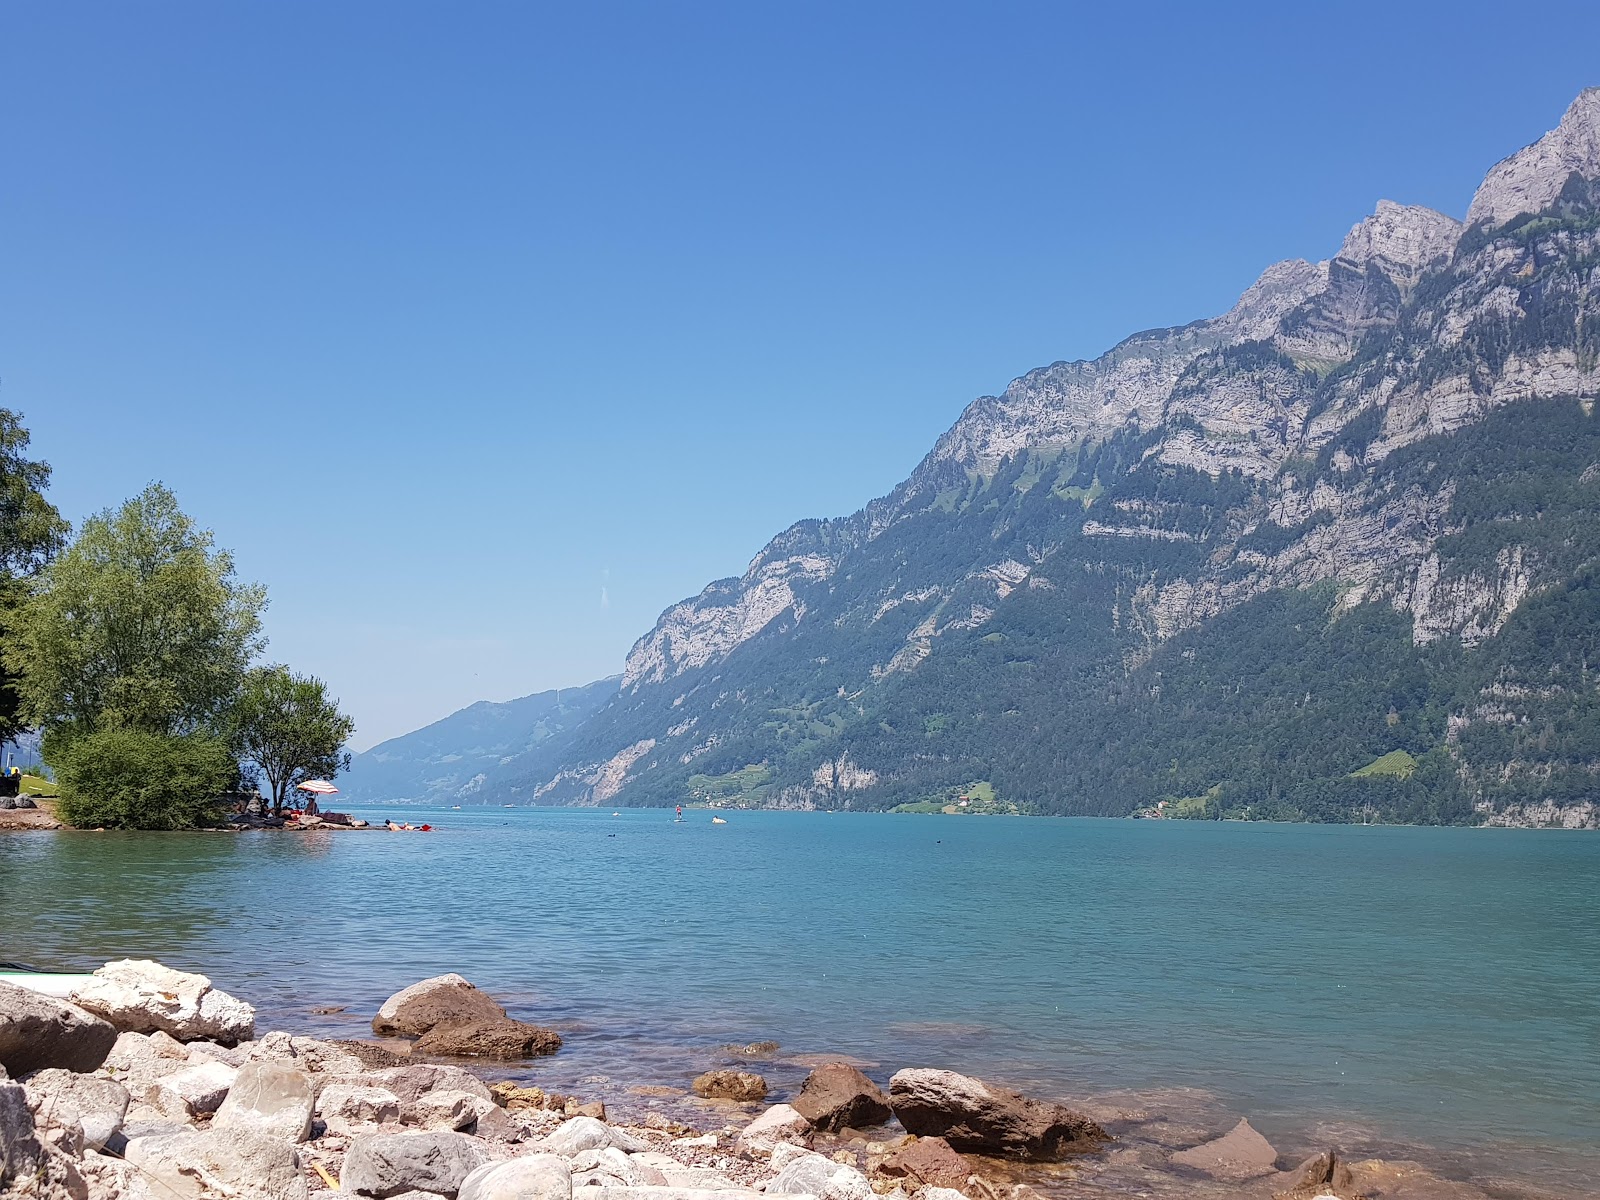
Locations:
{"points": [[616, 814], [718, 821], [456, 807]]}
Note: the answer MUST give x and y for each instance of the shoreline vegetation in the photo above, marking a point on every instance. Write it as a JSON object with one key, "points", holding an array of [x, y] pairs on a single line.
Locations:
{"points": [[143, 1082], [135, 654]]}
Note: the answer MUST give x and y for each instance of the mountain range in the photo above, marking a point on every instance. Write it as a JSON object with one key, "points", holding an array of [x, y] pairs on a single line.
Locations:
{"points": [[1331, 555]]}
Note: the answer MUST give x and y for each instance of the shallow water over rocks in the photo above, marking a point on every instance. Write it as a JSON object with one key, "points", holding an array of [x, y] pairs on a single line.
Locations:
{"points": [[1430, 994]]}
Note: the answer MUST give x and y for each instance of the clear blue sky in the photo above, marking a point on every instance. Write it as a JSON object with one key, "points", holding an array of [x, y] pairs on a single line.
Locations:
{"points": [[482, 332]]}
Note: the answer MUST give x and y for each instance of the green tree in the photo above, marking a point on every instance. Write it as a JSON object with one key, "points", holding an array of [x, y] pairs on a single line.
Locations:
{"points": [[288, 727], [134, 779], [31, 533], [139, 625]]}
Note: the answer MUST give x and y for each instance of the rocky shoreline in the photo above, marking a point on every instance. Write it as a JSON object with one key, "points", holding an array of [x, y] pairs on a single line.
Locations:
{"points": [[148, 1083]]}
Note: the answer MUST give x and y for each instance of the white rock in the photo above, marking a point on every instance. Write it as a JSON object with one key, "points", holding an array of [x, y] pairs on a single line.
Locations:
{"points": [[814, 1175], [611, 1192], [534, 1177], [96, 1103], [197, 1089], [140, 996], [785, 1153], [446, 1109], [346, 1107], [704, 1141], [780, 1123], [228, 1162], [587, 1133], [269, 1098]]}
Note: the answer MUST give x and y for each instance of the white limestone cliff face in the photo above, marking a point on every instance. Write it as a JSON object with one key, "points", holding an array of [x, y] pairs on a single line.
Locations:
{"points": [[1254, 391], [1067, 403], [1406, 239], [724, 616], [1532, 178]]}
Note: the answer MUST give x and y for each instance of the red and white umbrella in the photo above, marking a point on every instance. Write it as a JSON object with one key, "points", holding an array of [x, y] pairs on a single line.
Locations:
{"points": [[320, 786]]}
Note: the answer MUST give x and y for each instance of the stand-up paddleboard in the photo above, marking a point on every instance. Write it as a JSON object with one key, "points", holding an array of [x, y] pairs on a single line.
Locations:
{"points": [[60, 986]]}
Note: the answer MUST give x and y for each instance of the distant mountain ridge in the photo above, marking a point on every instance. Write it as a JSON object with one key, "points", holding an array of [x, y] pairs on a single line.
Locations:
{"points": [[456, 758], [1223, 568]]}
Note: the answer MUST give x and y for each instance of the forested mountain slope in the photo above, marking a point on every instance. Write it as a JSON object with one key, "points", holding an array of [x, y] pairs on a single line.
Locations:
{"points": [[1221, 569]]}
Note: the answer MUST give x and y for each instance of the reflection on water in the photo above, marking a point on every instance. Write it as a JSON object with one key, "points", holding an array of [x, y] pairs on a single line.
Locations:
{"points": [[1439, 988]]}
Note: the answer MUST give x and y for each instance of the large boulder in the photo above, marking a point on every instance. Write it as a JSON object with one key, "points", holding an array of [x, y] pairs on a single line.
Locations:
{"points": [[535, 1177], [388, 1164], [976, 1117], [500, 1038], [744, 1086], [141, 996], [269, 1098], [450, 999], [38, 1031], [837, 1096], [219, 1162], [97, 1104], [779, 1125], [926, 1161], [1236, 1156]]}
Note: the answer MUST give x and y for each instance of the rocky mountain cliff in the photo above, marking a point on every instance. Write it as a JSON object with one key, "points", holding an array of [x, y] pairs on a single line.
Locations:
{"points": [[1225, 566]]}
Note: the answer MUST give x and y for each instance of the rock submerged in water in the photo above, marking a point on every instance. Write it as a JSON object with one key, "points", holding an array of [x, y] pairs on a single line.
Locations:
{"points": [[976, 1117], [449, 1016], [1319, 1176], [413, 1011], [503, 1039], [838, 1096], [927, 1161], [140, 996], [38, 1031], [1238, 1155], [744, 1086]]}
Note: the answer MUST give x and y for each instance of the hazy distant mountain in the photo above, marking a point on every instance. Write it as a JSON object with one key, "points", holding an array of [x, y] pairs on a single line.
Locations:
{"points": [[455, 759], [1333, 552]]}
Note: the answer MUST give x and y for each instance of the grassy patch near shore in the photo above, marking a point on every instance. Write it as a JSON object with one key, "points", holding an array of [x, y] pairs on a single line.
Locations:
{"points": [[979, 801], [744, 788]]}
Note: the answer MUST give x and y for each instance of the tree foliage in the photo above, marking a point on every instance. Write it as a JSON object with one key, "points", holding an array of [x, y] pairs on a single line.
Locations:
{"points": [[288, 727], [136, 779], [139, 625], [31, 533]]}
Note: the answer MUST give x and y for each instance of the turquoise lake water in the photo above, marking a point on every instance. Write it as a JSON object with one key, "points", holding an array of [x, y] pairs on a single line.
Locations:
{"points": [[1432, 989]]}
